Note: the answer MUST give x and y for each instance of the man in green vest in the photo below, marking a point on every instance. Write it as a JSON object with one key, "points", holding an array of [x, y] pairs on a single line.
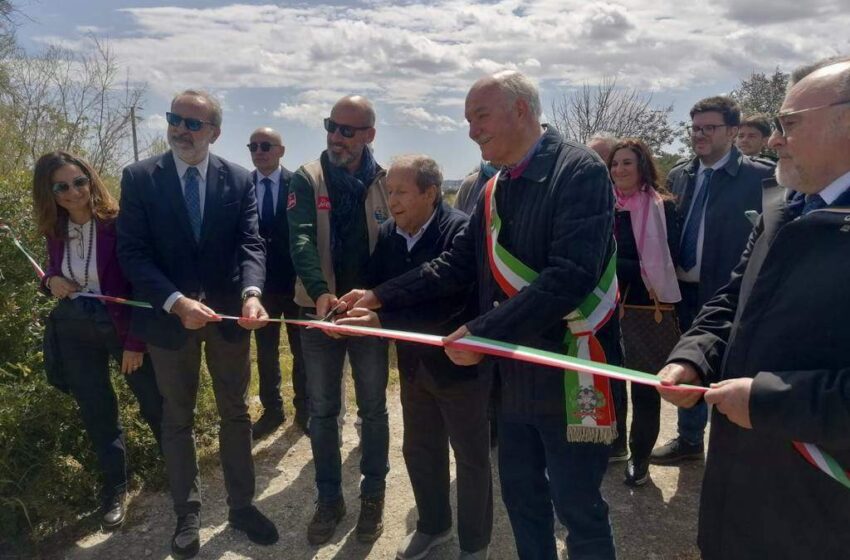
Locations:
{"points": [[335, 207]]}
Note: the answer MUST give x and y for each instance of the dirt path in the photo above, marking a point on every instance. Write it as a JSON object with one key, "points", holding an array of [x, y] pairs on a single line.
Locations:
{"points": [[657, 521]]}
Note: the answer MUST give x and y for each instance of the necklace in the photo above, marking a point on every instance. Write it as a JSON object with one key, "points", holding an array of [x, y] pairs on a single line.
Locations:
{"points": [[88, 255]]}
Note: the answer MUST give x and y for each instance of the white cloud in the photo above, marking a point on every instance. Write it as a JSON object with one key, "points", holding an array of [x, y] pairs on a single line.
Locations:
{"points": [[419, 117]]}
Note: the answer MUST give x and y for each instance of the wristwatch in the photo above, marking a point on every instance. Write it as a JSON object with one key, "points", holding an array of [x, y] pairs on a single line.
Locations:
{"points": [[251, 293]]}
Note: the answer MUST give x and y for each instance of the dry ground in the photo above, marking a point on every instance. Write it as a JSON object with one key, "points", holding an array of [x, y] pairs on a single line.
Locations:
{"points": [[657, 521]]}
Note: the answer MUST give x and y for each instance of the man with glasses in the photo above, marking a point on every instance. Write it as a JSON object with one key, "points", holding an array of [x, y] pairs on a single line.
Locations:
{"points": [[271, 181], [773, 345], [335, 207], [188, 243], [713, 192]]}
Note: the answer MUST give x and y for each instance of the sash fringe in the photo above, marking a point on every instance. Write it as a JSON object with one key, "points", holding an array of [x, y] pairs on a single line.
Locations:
{"points": [[591, 434]]}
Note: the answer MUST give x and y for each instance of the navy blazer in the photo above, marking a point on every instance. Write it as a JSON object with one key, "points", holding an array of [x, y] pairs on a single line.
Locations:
{"points": [[280, 273], [160, 256]]}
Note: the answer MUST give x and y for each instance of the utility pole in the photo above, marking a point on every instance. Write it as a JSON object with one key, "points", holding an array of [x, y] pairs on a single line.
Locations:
{"points": [[133, 128]]}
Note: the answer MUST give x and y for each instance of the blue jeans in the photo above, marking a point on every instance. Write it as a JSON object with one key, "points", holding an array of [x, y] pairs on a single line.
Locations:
{"points": [[692, 422], [323, 361], [538, 468]]}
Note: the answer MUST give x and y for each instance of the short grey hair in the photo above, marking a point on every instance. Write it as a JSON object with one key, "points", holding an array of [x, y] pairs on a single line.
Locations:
{"points": [[426, 172], [215, 106], [803, 71], [520, 86]]}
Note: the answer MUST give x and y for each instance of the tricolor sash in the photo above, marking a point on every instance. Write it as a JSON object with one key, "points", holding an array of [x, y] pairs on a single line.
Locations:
{"points": [[587, 398]]}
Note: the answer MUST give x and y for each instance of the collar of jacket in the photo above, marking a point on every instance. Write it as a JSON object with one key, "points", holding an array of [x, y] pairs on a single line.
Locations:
{"points": [[732, 165], [541, 164]]}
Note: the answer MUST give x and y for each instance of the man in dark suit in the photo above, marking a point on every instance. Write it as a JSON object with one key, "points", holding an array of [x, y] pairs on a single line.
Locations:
{"points": [[713, 191], [773, 344], [271, 182], [188, 242]]}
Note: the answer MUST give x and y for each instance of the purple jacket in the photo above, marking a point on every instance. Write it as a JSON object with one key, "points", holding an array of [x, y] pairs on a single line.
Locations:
{"points": [[112, 280]]}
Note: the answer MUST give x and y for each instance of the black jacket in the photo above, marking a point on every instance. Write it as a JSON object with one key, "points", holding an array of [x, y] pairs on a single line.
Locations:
{"points": [[781, 320], [390, 259], [734, 189], [280, 274], [558, 219]]}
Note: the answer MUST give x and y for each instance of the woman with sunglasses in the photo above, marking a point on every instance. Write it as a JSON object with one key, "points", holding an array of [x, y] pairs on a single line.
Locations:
{"points": [[646, 233], [76, 214]]}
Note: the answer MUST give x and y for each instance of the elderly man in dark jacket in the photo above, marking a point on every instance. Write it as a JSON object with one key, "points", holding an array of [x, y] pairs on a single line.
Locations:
{"points": [[773, 344], [555, 216]]}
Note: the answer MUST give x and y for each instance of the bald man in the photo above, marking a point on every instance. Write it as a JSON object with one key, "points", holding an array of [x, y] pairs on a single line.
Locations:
{"points": [[271, 181], [335, 208], [773, 344]]}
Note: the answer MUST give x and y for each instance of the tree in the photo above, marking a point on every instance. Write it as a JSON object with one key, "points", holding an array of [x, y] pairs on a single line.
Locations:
{"points": [[760, 93], [591, 109]]}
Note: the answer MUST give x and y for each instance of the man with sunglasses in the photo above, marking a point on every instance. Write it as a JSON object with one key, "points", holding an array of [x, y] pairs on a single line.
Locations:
{"points": [[188, 243], [713, 191], [335, 207], [772, 344], [271, 181]]}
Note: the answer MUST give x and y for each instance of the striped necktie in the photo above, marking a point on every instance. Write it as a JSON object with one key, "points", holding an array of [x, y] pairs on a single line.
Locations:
{"points": [[192, 196], [690, 238]]}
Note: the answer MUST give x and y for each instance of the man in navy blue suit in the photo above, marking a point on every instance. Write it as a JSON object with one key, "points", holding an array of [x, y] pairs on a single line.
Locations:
{"points": [[188, 241]]}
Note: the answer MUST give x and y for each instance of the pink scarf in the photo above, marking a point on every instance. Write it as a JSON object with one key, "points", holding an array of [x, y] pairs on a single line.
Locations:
{"points": [[649, 227]]}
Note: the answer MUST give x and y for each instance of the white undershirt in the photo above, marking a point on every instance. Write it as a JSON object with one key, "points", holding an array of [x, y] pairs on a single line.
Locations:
{"points": [[78, 243]]}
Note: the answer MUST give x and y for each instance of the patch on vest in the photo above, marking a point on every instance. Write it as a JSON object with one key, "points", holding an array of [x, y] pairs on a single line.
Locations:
{"points": [[290, 201], [324, 203], [381, 215]]}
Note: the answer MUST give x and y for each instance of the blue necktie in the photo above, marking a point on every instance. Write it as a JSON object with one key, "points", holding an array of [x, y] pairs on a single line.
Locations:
{"points": [[688, 248], [813, 202], [267, 211], [191, 193]]}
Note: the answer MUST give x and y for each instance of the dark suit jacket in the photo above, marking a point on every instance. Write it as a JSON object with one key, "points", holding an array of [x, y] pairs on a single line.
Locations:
{"points": [[280, 274], [160, 256], [781, 320], [734, 189], [110, 276]]}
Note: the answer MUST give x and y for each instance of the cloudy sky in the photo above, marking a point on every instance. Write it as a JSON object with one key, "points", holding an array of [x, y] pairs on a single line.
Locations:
{"points": [[284, 64]]}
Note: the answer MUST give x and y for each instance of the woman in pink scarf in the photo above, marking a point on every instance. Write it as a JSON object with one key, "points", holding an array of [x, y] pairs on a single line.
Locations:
{"points": [[646, 232]]}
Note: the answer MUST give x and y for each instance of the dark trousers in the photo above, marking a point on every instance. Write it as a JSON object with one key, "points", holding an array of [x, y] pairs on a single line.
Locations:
{"points": [[646, 414], [692, 421], [86, 339], [435, 416], [538, 468], [323, 359], [268, 356], [177, 373]]}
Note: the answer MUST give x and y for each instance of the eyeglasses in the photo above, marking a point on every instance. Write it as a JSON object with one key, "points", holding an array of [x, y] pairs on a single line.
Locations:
{"points": [[263, 146], [346, 130], [777, 120], [706, 129], [193, 125], [79, 183]]}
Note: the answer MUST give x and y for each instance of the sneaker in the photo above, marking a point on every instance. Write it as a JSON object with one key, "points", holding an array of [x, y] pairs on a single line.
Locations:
{"points": [[267, 424], [186, 540], [675, 451], [417, 544], [370, 524], [618, 455], [637, 473], [114, 510], [324, 522], [482, 554], [257, 526]]}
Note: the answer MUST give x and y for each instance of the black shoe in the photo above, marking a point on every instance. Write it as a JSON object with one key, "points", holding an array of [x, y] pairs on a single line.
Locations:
{"points": [[257, 526], [302, 420], [186, 541], [637, 473], [268, 423], [370, 524], [324, 522], [675, 451], [618, 454], [114, 510]]}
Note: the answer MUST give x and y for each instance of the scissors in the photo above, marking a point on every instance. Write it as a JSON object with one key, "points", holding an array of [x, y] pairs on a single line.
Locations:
{"points": [[330, 315]]}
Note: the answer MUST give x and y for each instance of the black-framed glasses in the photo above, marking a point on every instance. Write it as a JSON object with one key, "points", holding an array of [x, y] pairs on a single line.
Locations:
{"points": [[262, 146], [706, 129], [79, 183], [193, 125], [346, 130], [777, 120]]}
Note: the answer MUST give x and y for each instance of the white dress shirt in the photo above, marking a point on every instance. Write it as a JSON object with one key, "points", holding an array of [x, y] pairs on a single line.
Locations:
{"points": [[182, 166], [413, 239], [835, 189]]}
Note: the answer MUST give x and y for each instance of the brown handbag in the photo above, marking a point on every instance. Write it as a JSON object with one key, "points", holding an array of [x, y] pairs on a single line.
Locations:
{"points": [[649, 334]]}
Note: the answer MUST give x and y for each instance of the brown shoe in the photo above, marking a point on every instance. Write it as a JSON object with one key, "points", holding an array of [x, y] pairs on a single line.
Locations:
{"points": [[324, 522], [370, 524]]}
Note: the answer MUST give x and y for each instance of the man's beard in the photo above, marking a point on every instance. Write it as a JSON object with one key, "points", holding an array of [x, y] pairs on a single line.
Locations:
{"points": [[341, 159], [187, 151], [787, 175]]}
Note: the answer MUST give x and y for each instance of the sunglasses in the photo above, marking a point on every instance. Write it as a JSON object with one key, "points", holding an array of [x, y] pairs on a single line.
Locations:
{"points": [[193, 125], [777, 120], [346, 130], [79, 183], [262, 146]]}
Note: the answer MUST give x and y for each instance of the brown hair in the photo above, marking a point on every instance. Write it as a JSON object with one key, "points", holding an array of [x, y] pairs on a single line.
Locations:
{"points": [[647, 170], [760, 122], [51, 218]]}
